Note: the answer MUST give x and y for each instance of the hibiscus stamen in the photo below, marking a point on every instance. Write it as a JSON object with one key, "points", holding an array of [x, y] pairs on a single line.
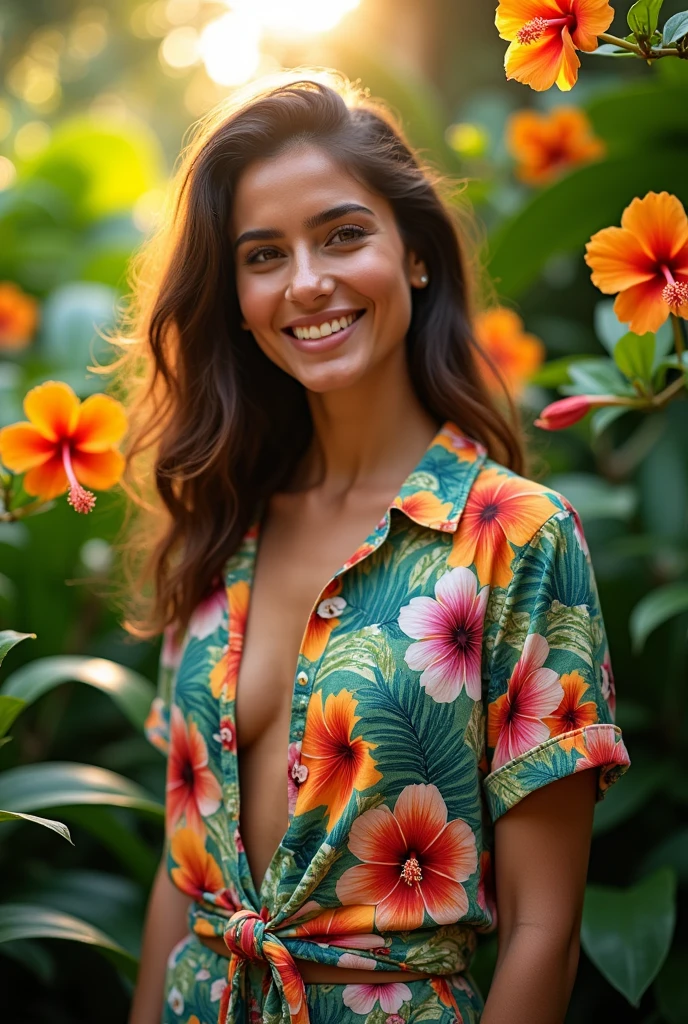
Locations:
{"points": [[536, 27], [674, 293], [411, 872], [79, 498]]}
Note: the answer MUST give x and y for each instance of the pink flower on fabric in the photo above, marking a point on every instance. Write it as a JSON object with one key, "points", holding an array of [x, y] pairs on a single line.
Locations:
{"points": [[414, 861], [362, 998], [354, 960], [449, 631], [171, 652], [608, 686], [296, 774], [207, 615], [394, 1018], [603, 749], [514, 720]]}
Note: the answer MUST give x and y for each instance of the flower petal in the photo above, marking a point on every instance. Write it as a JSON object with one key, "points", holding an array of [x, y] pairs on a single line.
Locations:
{"points": [[642, 306], [659, 223], [514, 14], [617, 260], [100, 470], [48, 480], [538, 64], [22, 447], [421, 813], [53, 408], [102, 423], [593, 17], [568, 70], [375, 836]]}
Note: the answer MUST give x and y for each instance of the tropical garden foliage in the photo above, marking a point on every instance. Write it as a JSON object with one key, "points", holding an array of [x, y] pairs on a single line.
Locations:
{"points": [[576, 168]]}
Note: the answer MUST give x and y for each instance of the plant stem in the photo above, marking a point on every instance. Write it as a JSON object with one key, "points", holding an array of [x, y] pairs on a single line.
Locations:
{"points": [[651, 54], [679, 339], [664, 397]]}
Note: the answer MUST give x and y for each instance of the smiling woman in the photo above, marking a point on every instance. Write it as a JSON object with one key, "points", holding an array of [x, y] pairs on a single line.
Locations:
{"points": [[380, 639]]}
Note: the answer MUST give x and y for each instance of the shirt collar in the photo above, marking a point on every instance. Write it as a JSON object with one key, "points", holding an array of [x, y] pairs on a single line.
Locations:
{"points": [[434, 493]]}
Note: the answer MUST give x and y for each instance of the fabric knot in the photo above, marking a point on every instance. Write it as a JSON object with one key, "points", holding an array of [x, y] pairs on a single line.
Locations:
{"points": [[244, 935]]}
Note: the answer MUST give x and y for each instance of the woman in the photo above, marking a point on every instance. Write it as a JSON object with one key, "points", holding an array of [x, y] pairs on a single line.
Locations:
{"points": [[385, 690]]}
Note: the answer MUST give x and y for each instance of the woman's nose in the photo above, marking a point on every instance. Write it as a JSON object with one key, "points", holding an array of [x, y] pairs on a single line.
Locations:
{"points": [[307, 280]]}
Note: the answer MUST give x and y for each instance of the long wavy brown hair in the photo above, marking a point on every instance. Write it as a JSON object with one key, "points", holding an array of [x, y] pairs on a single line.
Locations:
{"points": [[215, 426]]}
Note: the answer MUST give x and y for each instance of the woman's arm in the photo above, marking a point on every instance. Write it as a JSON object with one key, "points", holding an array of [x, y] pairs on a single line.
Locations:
{"points": [[165, 926], [541, 848]]}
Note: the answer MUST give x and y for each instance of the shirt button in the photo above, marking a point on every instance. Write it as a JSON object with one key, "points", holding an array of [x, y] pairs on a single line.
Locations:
{"points": [[302, 678]]}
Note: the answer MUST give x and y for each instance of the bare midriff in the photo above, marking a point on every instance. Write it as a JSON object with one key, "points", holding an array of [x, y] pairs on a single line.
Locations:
{"points": [[326, 974]]}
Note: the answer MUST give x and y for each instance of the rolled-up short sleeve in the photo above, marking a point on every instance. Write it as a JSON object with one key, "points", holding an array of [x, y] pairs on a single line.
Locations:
{"points": [[157, 724], [550, 691]]}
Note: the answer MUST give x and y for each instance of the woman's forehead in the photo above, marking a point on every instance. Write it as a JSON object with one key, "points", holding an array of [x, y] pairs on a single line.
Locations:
{"points": [[304, 180]]}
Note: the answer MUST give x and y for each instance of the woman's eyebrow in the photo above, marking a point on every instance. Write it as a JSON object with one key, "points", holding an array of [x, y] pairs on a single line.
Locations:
{"points": [[316, 221]]}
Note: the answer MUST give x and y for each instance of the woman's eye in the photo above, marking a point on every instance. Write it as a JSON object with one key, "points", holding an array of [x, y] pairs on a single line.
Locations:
{"points": [[252, 257], [358, 232], [352, 230]]}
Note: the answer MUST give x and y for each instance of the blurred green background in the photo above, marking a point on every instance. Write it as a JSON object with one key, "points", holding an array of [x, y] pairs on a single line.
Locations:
{"points": [[96, 101]]}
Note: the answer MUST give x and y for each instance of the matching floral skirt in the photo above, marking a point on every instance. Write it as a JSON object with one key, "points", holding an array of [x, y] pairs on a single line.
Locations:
{"points": [[196, 979]]}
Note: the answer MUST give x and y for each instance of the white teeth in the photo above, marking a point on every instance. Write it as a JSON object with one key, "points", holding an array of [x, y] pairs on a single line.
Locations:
{"points": [[326, 328]]}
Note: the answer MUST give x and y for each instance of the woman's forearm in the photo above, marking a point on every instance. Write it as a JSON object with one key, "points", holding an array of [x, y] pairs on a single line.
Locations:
{"points": [[533, 980], [165, 926]]}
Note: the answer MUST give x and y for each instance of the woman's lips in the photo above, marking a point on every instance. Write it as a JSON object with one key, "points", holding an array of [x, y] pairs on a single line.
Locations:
{"points": [[323, 344]]}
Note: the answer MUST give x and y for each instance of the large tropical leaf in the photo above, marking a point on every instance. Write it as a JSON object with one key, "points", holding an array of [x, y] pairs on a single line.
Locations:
{"points": [[27, 921], [132, 692], [627, 932], [36, 787], [56, 826], [8, 639]]}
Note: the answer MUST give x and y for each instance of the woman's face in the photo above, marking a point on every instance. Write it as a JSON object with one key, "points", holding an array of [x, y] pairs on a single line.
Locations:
{"points": [[313, 246]]}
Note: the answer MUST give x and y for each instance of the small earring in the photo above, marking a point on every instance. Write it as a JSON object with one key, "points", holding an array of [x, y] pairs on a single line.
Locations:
{"points": [[423, 278]]}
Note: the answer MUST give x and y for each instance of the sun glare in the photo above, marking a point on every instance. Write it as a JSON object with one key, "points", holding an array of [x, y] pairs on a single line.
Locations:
{"points": [[230, 47]]}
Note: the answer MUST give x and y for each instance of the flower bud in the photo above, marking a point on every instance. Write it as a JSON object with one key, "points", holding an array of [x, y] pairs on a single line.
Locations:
{"points": [[568, 411]]}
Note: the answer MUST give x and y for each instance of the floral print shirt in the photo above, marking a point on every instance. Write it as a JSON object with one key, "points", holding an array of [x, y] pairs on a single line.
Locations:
{"points": [[455, 663]]}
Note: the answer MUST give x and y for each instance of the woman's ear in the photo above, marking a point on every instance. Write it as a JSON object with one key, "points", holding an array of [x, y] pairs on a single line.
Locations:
{"points": [[416, 271]]}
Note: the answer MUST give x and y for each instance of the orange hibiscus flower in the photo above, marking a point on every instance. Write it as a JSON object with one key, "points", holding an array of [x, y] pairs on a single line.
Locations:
{"points": [[337, 762], [414, 861], [515, 353], [547, 144], [197, 871], [573, 712], [18, 317], [336, 926], [192, 789], [323, 620], [501, 510], [65, 444], [544, 36], [645, 261], [426, 507]]}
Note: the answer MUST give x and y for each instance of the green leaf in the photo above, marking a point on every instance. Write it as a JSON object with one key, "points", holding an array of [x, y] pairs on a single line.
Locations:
{"points": [[555, 372], [676, 28], [72, 316], [595, 498], [10, 707], [611, 50], [56, 826], [654, 609], [9, 638], [27, 921], [602, 418], [596, 377], [643, 18], [583, 202], [33, 956], [651, 110], [634, 354], [35, 787], [627, 933], [132, 692]]}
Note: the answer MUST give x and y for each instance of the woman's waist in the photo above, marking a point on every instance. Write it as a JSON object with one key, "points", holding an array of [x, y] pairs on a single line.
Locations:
{"points": [[326, 974]]}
